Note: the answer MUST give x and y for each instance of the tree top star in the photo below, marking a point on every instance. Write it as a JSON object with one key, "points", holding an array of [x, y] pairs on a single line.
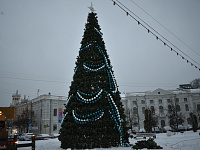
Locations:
{"points": [[91, 8]]}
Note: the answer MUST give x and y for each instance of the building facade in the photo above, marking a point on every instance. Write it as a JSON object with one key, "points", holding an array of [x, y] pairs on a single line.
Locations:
{"points": [[160, 102], [48, 113], [43, 114]]}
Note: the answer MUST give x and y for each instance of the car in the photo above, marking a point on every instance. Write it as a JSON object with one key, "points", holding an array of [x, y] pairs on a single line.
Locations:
{"points": [[26, 137], [181, 128], [167, 128], [156, 130], [54, 135], [42, 137], [189, 127], [142, 130]]}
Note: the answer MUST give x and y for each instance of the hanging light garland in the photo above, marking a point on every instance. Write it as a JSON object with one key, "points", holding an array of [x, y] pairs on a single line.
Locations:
{"points": [[149, 31], [86, 67], [84, 119], [91, 100]]}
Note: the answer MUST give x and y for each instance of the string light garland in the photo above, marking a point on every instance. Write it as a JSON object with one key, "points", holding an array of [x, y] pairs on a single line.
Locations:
{"points": [[124, 8], [84, 119], [164, 27], [91, 100], [93, 70]]}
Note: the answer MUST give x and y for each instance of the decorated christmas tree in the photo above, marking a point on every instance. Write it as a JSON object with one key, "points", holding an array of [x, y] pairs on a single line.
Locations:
{"points": [[94, 116]]}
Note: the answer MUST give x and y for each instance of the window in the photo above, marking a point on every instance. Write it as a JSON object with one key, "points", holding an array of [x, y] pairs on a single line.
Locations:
{"points": [[160, 101], [189, 120], [55, 112], [158, 92], [134, 103], [142, 101], [177, 100], [186, 107], [54, 127], [185, 100], [198, 107], [161, 109], [152, 110], [151, 101], [178, 108], [143, 109], [134, 110], [169, 108], [162, 123], [169, 100]]}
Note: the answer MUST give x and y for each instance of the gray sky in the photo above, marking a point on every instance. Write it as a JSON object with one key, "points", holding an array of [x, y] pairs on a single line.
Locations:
{"points": [[40, 40]]}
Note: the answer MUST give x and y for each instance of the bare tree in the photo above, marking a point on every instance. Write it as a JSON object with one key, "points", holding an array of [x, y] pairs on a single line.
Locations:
{"points": [[23, 120]]}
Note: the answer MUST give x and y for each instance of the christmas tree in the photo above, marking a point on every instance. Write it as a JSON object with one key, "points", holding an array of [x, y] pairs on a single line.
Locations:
{"points": [[94, 116]]}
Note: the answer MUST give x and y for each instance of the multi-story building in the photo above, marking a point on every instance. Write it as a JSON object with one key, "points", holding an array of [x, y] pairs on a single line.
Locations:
{"points": [[160, 102], [48, 113], [43, 113]]}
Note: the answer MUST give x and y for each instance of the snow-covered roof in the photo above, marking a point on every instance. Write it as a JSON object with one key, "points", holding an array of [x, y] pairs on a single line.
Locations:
{"points": [[195, 90]]}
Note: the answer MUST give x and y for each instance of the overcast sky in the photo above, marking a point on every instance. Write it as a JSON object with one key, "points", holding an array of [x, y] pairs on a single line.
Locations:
{"points": [[40, 40]]}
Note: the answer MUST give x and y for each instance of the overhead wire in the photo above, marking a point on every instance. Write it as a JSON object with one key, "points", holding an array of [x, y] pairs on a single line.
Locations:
{"points": [[40, 80], [124, 8], [165, 27]]}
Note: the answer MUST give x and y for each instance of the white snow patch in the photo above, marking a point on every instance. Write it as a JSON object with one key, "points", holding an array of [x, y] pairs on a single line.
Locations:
{"points": [[188, 140]]}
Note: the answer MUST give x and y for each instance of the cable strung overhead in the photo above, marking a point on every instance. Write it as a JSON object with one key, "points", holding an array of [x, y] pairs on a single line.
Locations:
{"points": [[165, 28], [157, 34]]}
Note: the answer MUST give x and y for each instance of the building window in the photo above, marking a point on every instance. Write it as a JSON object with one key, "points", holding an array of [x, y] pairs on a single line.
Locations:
{"points": [[185, 100], [169, 100], [178, 108], [160, 101], [152, 110], [169, 108], [143, 109], [55, 112], [151, 101], [189, 121], [177, 100], [186, 107], [161, 109], [134, 110], [143, 101], [54, 127], [198, 107], [158, 92], [162, 123]]}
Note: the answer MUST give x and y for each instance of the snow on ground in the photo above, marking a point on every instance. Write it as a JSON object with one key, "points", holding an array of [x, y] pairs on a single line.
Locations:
{"points": [[188, 140]]}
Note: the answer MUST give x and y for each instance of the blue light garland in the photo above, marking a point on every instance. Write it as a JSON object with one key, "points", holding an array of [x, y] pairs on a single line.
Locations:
{"points": [[84, 119], [91, 100]]}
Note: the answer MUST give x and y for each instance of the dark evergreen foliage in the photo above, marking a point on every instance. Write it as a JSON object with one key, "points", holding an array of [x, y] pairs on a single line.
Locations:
{"points": [[148, 121], [194, 121], [94, 113], [149, 144], [175, 117]]}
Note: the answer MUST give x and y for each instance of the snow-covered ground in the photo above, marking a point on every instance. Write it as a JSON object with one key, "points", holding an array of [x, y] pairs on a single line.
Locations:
{"points": [[188, 140]]}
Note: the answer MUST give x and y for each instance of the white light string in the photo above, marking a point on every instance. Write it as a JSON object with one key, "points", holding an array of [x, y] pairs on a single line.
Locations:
{"points": [[149, 31], [94, 70], [91, 99]]}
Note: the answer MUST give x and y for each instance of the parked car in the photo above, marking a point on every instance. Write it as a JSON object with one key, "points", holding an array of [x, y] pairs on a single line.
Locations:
{"points": [[42, 137], [26, 137], [54, 135], [142, 130], [181, 128], [189, 127], [156, 130], [11, 136], [167, 128]]}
